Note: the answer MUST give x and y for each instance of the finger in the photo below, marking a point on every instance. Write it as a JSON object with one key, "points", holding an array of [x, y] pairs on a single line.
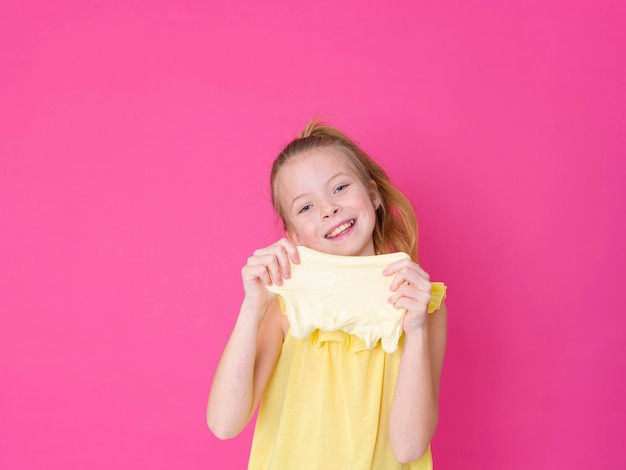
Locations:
{"points": [[396, 266], [418, 282], [420, 270], [285, 252], [264, 276], [410, 305], [283, 262], [270, 263], [397, 282], [274, 268], [404, 276], [412, 275], [403, 265], [251, 273], [291, 249], [411, 292]]}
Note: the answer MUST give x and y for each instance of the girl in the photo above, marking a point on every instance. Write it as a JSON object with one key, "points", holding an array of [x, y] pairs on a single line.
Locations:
{"points": [[328, 401]]}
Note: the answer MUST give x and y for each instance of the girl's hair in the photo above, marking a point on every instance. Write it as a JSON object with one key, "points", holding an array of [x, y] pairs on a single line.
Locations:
{"points": [[396, 226]]}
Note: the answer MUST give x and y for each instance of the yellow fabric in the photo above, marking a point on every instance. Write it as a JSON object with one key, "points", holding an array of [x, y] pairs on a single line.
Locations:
{"points": [[356, 289], [327, 405]]}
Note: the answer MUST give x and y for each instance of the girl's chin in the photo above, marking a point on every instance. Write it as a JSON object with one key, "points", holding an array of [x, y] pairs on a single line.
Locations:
{"points": [[346, 250]]}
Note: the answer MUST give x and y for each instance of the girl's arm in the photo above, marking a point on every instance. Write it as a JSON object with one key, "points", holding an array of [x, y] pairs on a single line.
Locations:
{"points": [[252, 350], [414, 410]]}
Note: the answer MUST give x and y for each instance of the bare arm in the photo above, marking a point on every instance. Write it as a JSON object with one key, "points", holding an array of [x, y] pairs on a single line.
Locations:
{"points": [[252, 350], [415, 407], [414, 410]]}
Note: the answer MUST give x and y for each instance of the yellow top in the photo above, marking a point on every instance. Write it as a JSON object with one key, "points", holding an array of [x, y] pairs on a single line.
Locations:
{"points": [[327, 405]]}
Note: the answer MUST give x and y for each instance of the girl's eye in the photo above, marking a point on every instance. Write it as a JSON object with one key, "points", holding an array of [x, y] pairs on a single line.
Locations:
{"points": [[305, 208], [340, 188]]}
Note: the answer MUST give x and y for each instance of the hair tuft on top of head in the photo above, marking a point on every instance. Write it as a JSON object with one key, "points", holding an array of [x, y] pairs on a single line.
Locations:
{"points": [[310, 129], [325, 134]]}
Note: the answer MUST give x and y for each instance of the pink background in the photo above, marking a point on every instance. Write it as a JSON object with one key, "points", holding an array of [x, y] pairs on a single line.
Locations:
{"points": [[135, 144]]}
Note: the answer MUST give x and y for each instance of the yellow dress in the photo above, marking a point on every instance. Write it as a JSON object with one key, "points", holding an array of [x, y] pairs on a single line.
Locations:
{"points": [[327, 405]]}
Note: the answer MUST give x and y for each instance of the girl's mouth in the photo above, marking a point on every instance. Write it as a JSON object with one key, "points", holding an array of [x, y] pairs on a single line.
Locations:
{"points": [[341, 229]]}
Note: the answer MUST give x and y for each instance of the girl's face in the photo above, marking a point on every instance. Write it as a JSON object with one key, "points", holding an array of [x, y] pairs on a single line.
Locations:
{"points": [[327, 207]]}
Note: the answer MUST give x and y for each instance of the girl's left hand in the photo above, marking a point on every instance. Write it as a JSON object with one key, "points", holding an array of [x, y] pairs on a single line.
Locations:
{"points": [[411, 290]]}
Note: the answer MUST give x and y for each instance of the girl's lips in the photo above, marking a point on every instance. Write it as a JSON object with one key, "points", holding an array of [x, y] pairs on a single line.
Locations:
{"points": [[340, 229]]}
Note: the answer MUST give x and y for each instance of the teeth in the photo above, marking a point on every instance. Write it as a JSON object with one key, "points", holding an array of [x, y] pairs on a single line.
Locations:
{"points": [[340, 229]]}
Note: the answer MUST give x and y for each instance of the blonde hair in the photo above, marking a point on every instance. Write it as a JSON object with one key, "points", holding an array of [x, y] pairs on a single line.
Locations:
{"points": [[396, 225]]}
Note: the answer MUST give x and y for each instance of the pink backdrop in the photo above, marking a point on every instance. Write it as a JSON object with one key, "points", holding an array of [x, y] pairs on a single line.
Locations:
{"points": [[135, 144]]}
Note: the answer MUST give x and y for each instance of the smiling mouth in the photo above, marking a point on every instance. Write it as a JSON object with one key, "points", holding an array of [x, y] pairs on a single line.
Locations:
{"points": [[343, 228]]}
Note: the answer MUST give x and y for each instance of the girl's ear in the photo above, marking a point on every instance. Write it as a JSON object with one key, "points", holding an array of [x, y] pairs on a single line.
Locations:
{"points": [[374, 194]]}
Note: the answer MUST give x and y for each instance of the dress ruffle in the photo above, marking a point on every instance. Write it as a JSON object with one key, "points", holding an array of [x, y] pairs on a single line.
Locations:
{"points": [[437, 295]]}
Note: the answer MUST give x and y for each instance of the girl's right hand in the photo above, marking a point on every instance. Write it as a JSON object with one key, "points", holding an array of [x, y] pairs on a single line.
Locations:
{"points": [[267, 266]]}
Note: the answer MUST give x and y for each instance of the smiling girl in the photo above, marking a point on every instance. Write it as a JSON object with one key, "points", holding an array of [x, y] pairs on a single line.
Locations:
{"points": [[327, 401]]}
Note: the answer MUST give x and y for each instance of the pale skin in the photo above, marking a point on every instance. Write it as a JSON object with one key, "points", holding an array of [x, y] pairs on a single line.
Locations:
{"points": [[253, 348]]}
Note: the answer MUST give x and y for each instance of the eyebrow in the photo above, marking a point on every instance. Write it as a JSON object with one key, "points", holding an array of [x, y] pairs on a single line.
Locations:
{"points": [[329, 180]]}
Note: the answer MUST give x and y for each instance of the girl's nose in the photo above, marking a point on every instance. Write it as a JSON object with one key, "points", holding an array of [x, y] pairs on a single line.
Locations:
{"points": [[332, 210]]}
